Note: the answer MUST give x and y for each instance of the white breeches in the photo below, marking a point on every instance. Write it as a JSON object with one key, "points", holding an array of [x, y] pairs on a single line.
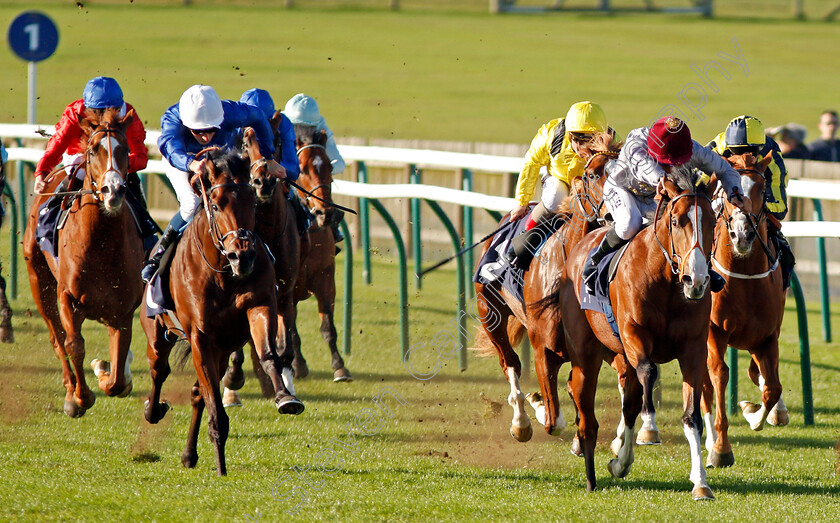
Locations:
{"points": [[627, 209], [554, 191], [187, 199], [70, 161]]}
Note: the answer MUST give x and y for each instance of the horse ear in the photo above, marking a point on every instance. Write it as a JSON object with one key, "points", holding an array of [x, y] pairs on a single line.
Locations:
{"points": [[765, 161], [129, 116], [669, 188], [275, 120]]}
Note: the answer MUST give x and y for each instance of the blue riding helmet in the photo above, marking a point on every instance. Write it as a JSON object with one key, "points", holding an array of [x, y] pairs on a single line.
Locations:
{"points": [[261, 99], [102, 92]]}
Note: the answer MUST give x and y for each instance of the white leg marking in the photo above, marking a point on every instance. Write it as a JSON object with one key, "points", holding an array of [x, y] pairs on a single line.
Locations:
{"points": [[517, 400], [698, 472], [289, 379], [711, 435]]}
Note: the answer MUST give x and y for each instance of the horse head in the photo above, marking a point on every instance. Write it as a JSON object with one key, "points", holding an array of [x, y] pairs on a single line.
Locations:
{"points": [[685, 230], [316, 174], [263, 183], [229, 201], [743, 228], [106, 156], [597, 153]]}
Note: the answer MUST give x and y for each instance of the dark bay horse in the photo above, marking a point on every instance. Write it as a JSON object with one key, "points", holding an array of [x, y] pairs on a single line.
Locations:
{"points": [[97, 273], [504, 320], [662, 307], [276, 225], [746, 314], [317, 268], [223, 285], [7, 335]]}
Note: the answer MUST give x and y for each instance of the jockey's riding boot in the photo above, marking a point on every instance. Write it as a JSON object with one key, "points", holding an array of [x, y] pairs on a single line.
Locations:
{"points": [[610, 243], [132, 181], [783, 249], [170, 234], [716, 281], [335, 220], [541, 224]]}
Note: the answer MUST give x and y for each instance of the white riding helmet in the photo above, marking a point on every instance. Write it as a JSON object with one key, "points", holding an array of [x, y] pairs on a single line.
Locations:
{"points": [[201, 108], [302, 109]]}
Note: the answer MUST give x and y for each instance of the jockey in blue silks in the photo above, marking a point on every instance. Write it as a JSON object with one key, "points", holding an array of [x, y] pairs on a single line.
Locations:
{"points": [[200, 120], [288, 151]]}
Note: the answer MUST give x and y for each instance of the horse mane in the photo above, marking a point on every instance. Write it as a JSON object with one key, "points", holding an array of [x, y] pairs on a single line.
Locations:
{"points": [[604, 143], [305, 133], [684, 177], [231, 162]]}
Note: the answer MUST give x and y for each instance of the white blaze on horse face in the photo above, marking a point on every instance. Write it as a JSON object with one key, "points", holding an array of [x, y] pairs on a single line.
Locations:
{"points": [[696, 272], [317, 162], [112, 182]]}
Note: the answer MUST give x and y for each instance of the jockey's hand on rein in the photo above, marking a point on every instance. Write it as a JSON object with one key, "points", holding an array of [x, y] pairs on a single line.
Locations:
{"points": [[276, 170], [740, 201]]}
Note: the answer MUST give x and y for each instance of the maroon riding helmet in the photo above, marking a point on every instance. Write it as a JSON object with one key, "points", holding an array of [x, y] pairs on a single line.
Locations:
{"points": [[669, 141]]}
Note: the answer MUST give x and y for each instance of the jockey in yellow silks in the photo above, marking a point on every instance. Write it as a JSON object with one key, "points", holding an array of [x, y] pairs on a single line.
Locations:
{"points": [[555, 147]]}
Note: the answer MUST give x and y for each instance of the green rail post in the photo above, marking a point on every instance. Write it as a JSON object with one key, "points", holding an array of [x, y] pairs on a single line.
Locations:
{"points": [[348, 290], [826, 311], [462, 313], [416, 239], [469, 257], [732, 387], [21, 179], [364, 225], [804, 350], [403, 259], [13, 243]]}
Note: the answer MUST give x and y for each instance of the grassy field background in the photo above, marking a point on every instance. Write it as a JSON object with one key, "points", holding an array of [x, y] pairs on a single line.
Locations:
{"points": [[429, 71]]}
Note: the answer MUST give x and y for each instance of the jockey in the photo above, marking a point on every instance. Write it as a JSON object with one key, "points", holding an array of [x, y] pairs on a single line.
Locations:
{"points": [[288, 153], [64, 146], [631, 185], [556, 147], [199, 120], [745, 134], [303, 111]]}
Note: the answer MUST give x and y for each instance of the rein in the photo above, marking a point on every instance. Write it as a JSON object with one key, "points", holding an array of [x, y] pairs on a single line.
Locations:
{"points": [[310, 194]]}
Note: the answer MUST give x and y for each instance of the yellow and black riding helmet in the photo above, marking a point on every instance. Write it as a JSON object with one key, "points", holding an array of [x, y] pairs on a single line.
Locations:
{"points": [[745, 134]]}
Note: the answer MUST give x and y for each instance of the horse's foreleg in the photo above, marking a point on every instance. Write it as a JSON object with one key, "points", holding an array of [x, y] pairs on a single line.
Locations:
{"points": [[582, 384], [547, 365], [233, 379], [631, 405], [264, 333], [117, 383], [71, 319], [766, 358], [619, 363], [266, 386], [647, 373], [7, 335], [190, 455], [157, 351], [716, 379], [691, 366], [325, 294], [218, 424]]}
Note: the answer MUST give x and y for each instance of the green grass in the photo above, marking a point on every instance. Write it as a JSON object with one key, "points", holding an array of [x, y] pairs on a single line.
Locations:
{"points": [[445, 455], [436, 74]]}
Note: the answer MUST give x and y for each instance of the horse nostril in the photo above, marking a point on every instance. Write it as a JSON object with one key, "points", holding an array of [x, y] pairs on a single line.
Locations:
{"points": [[258, 182], [232, 257], [120, 190], [319, 212], [686, 279], [106, 190]]}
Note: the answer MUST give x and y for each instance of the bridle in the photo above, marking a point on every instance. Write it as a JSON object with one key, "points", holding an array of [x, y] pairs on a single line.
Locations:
{"points": [[323, 186], [674, 260], [589, 180]]}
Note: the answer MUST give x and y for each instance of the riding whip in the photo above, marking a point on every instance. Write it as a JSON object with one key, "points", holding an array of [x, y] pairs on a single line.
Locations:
{"points": [[464, 250], [337, 206]]}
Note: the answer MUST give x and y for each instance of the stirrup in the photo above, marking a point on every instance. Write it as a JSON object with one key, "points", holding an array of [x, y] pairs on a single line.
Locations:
{"points": [[150, 268]]}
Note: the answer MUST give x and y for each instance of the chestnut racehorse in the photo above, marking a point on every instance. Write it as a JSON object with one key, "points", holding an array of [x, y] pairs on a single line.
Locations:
{"points": [[317, 268], [661, 306], [97, 273], [276, 225], [7, 335], [222, 283], [504, 320], [746, 314]]}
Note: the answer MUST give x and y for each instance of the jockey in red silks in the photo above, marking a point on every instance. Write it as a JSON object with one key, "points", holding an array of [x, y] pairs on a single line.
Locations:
{"points": [[647, 155], [199, 120], [100, 93]]}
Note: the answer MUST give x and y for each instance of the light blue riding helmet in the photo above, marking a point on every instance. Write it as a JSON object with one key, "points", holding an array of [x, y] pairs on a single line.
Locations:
{"points": [[102, 92], [259, 98], [302, 109]]}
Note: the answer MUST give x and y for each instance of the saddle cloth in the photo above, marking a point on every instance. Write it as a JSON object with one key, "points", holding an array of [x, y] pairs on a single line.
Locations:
{"points": [[604, 275], [493, 266]]}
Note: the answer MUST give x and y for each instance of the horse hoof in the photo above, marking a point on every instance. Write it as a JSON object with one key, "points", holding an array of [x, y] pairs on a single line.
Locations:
{"points": [[615, 446], [73, 410], [287, 404], [522, 434], [576, 449], [615, 469], [716, 460], [88, 400], [231, 398], [648, 437], [778, 418], [101, 368], [7, 335], [341, 375], [702, 494], [234, 378], [157, 412], [127, 390], [301, 369], [189, 459]]}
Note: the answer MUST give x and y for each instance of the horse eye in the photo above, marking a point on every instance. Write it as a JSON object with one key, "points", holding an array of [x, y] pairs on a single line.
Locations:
{"points": [[675, 222], [214, 207]]}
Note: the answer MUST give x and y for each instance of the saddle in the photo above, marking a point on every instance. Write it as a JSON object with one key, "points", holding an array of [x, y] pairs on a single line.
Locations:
{"points": [[605, 273]]}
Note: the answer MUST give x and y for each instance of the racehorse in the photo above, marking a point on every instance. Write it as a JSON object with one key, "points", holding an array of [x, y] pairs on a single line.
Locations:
{"points": [[317, 268], [505, 320], [746, 314], [97, 273], [222, 284], [7, 335], [276, 225], [661, 306]]}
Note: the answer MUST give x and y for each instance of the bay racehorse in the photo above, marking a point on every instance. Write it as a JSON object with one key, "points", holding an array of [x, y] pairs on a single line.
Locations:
{"points": [[504, 320], [276, 225], [97, 273], [223, 286], [7, 335], [746, 314], [317, 268], [661, 305]]}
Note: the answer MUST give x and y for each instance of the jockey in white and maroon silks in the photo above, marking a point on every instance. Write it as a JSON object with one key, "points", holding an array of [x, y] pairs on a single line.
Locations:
{"points": [[200, 120], [647, 155]]}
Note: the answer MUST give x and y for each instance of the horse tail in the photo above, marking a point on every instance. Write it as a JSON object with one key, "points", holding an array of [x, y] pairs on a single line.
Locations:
{"points": [[484, 348], [183, 352]]}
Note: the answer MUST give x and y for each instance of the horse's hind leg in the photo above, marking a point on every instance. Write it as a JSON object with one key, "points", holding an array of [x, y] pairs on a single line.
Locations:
{"points": [[325, 293], [547, 365], [117, 383], [190, 455], [7, 335], [264, 333], [582, 384], [720, 452], [766, 357], [157, 351], [631, 406]]}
